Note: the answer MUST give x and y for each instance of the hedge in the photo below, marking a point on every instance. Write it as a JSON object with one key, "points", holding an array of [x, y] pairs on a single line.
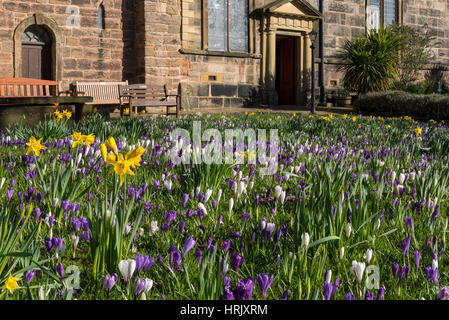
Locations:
{"points": [[400, 103]]}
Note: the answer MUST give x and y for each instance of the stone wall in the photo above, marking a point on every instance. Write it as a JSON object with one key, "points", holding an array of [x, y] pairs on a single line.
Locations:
{"points": [[87, 53]]}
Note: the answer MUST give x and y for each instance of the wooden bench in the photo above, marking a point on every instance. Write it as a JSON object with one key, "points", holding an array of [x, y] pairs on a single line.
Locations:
{"points": [[27, 92], [103, 93], [25, 87], [141, 95]]}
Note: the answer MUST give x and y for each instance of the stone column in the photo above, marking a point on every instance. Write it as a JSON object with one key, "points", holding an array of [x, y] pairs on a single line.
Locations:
{"points": [[298, 70], [271, 68], [307, 64]]}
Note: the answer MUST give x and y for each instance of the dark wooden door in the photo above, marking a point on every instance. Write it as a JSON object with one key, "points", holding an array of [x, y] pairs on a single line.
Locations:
{"points": [[287, 71], [36, 53], [36, 61]]}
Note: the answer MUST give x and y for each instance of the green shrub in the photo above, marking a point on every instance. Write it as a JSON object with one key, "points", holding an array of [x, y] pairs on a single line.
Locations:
{"points": [[422, 87], [371, 63], [399, 103]]}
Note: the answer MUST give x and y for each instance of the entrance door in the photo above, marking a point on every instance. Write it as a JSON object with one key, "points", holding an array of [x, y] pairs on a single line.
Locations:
{"points": [[36, 53], [286, 70]]}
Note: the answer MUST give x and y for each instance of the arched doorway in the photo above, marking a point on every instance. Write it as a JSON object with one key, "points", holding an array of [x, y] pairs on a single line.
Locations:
{"points": [[36, 53], [37, 33]]}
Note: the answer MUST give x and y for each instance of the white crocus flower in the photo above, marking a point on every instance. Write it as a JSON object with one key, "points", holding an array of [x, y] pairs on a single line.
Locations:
{"points": [[305, 239], [282, 197], [231, 204], [401, 178], [368, 255], [358, 268], [393, 176], [2, 182], [348, 229], [241, 189], [277, 192], [219, 195], [153, 228], [329, 276], [207, 195], [342, 253], [412, 176], [202, 207], [251, 185], [168, 184], [127, 268]]}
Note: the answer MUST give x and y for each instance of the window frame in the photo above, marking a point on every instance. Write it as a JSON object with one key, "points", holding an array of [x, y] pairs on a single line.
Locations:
{"points": [[101, 17], [399, 10], [205, 30]]}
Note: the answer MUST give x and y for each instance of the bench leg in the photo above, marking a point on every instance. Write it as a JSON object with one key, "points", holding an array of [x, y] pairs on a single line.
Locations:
{"points": [[121, 111], [78, 111], [178, 106]]}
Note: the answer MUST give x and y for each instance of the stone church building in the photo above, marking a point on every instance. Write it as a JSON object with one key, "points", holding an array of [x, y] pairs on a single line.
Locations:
{"points": [[217, 53]]}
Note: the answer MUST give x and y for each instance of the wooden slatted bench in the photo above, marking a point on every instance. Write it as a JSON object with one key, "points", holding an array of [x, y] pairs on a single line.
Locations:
{"points": [[141, 95], [25, 92], [25, 87], [103, 93]]}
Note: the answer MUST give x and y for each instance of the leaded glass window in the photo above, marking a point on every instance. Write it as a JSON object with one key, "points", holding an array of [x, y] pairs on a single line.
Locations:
{"points": [[382, 13], [228, 25]]}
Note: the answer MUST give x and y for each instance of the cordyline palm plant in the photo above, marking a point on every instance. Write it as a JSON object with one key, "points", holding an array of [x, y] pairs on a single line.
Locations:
{"points": [[370, 63]]}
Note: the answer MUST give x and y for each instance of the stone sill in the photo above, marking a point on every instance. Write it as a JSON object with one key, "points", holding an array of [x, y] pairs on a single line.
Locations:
{"points": [[220, 53]]}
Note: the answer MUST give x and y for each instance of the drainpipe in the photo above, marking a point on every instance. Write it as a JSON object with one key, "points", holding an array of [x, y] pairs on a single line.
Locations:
{"points": [[321, 53]]}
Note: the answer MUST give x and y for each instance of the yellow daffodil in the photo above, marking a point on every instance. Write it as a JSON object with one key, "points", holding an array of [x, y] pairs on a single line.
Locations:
{"points": [[58, 114], [77, 139], [354, 119], [388, 126], [67, 114], [11, 283], [134, 156], [89, 139], [294, 115], [252, 113], [432, 121], [121, 167], [345, 116], [110, 143], [380, 118], [418, 131], [331, 116], [359, 126], [143, 112], [246, 113], [104, 152], [325, 118], [249, 155], [35, 146], [24, 117], [94, 109]]}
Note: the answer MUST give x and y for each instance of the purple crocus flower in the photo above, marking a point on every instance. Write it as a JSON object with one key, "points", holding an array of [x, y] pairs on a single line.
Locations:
{"points": [[402, 272], [188, 245], [157, 184], [327, 290], [109, 282], [148, 263], [175, 259], [406, 245], [348, 215], [369, 295], [182, 225], [48, 245], [185, 198], [139, 285], [9, 193], [236, 261], [435, 276], [60, 269], [417, 259], [198, 255], [349, 296], [443, 294], [225, 245], [395, 269], [285, 295], [436, 212], [380, 293], [140, 260], [37, 213], [29, 275], [264, 282], [335, 287], [227, 292], [244, 290], [57, 243]]}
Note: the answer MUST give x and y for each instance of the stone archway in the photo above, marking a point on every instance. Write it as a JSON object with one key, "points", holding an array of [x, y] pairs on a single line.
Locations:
{"points": [[56, 43], [291, 20]]}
